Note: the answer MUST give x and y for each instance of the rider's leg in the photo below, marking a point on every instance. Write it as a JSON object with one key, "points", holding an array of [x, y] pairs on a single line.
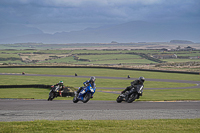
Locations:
{"points": [[60, 93], [79, 90]]}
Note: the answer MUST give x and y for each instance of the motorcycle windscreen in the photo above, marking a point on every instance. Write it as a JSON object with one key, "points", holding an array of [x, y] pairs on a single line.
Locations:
{"points": [[140, 89]]}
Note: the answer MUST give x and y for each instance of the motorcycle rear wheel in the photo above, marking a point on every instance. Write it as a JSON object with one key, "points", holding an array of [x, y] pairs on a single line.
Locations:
{"points": [[132, 98]]}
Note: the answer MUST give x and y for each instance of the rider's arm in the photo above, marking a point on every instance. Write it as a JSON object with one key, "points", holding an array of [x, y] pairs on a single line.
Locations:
{"points": [[136, 82], [127, 89], [56, 85], [62, 88], [86, 83], [94, 86]]}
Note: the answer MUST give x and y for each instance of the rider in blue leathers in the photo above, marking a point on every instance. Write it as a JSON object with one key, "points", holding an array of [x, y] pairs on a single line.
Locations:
{"points": [[86, 83]]}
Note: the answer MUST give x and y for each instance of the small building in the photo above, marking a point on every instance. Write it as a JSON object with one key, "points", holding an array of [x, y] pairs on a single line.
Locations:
{"points": [[165, 56], [163, 50], [188, 48]]}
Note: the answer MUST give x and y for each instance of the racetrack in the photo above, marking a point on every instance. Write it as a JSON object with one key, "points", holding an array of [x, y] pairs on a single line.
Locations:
{"points": [[29, 110]]}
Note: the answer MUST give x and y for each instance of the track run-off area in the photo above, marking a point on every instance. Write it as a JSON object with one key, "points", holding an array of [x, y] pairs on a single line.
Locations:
{"points": [[29, 110]]}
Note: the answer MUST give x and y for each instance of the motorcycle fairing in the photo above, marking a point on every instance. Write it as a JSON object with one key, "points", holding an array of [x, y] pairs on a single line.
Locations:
{"points": [[85, 90]]}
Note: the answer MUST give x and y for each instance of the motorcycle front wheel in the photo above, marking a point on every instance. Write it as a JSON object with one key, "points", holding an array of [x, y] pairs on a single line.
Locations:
{"points": [[132, 98], [86, 97], [119, 99], [75, 99], [51, 96]]}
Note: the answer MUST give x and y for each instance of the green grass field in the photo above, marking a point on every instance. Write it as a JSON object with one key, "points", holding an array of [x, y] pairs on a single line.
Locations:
{"points": [[118, 62], [108, 57], [97, 57], [181, 60], [61, 60]]}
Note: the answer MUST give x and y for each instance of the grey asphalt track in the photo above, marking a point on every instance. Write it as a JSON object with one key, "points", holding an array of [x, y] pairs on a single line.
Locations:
{"points": [[29, 110]]}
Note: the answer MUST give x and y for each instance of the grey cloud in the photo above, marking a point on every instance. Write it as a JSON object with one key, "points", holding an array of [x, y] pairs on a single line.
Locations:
{"points": [[98, 12]]}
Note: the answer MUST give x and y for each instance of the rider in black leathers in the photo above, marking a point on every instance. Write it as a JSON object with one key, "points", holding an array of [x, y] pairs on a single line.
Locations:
{"points": [[60, 87], [139, 81]]}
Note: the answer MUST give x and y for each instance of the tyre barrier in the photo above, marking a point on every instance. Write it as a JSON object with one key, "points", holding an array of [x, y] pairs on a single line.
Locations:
{"points": [[65, 93]]}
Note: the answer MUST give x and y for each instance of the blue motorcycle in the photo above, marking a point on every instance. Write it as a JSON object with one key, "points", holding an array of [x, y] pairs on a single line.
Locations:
{"points": [[85, 94]]}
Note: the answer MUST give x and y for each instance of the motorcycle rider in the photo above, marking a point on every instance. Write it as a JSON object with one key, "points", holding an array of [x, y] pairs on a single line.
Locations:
{"points": [[60, 87], [86, 83], [138, 81]]}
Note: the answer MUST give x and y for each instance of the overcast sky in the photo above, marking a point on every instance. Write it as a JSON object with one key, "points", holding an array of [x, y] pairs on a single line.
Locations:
{"points": [[66, 15]]}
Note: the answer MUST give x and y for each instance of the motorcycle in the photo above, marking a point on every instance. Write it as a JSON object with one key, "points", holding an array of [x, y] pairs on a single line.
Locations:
{"points": [[54, 92], [130, 96], [85, 94]]}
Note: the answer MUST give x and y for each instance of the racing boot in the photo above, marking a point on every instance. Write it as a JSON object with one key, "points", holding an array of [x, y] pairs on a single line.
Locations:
{"points": [[60, 93], [75, 94]]}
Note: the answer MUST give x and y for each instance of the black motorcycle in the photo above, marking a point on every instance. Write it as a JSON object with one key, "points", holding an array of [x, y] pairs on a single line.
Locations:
{"points": [[130, 96], [54, 92]]}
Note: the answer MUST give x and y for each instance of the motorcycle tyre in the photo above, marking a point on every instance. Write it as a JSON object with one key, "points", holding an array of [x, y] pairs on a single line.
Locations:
{"points": [[132, 98], [119, 99], [51, 97], [75, 99], [86, 97]]}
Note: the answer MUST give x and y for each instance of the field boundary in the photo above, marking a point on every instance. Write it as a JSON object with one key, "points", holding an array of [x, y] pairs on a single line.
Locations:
{"points": [[26, 86], [66, 91]]}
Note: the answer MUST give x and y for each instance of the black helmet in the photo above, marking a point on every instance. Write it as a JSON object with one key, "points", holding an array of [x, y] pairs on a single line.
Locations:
{"points": [[92, 78], [141, 79]]}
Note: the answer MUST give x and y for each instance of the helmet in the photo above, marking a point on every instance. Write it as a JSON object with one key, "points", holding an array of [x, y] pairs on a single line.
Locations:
{"points": [[60, 82], [141, 79], [92, 78]]}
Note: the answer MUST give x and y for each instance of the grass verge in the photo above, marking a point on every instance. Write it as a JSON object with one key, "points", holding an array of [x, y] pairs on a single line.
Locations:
{"points": [[111, 126], [77, 82], [148, 95], [102, 72]]}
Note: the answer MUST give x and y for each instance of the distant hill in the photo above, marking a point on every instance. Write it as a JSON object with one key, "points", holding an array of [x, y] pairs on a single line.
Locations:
{"points": [[135, 31], [14, 30], [181, 41]]}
